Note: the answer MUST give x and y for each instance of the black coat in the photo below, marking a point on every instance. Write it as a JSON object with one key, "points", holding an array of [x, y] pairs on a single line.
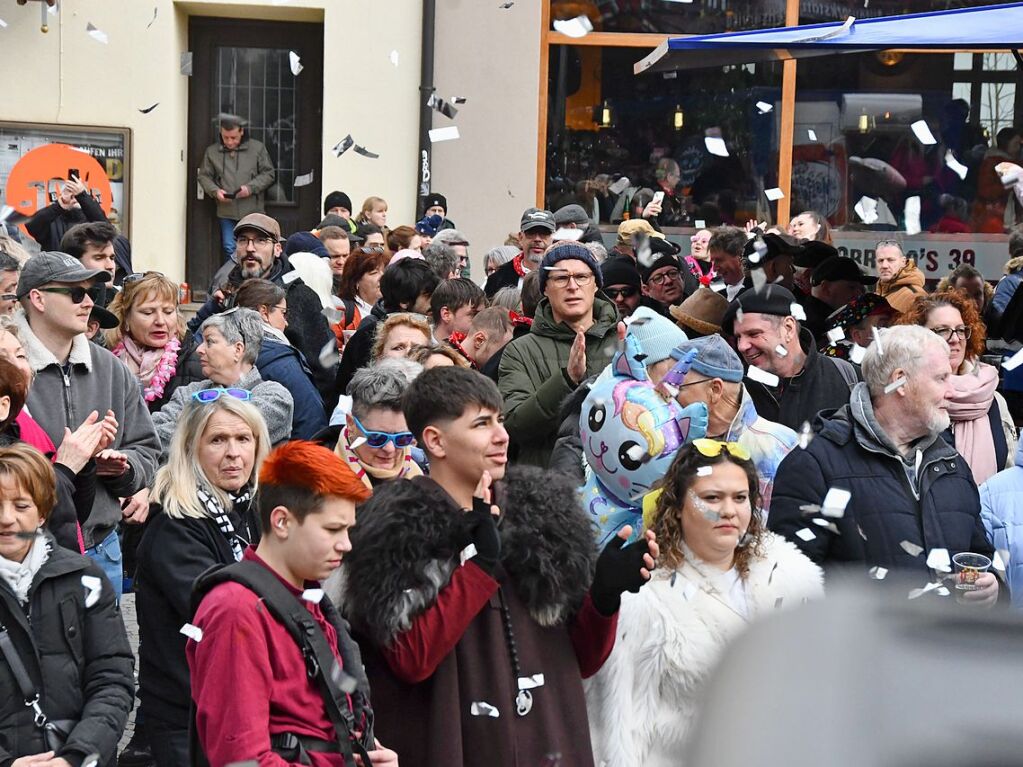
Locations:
{"points": [[883, 511], [173, 553], [817, 313], [504, 276], [77, 656], [357, 352], [188, 370], [798, 400]]}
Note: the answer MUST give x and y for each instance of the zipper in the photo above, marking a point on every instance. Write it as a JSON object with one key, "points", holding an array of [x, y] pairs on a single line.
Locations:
{"points": [[67, 395]]}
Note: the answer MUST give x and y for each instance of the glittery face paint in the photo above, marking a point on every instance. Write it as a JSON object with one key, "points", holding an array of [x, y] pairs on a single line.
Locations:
{"points": [[703, 507]]}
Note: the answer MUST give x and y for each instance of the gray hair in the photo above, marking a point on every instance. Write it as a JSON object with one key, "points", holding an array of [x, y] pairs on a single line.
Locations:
{"points": [[508, 298], [239, 325], [597, 249], [502, 254], [441, 259], [890, 244], [450, 237], [897, 348], [382, 385]]}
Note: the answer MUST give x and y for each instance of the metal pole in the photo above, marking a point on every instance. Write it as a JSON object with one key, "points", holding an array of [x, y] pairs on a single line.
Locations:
{"points": [[426, 89]]}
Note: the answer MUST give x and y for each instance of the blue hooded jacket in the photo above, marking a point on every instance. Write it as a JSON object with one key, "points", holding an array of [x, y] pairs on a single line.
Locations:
{"points": [[1001, 509], [285, 364]]}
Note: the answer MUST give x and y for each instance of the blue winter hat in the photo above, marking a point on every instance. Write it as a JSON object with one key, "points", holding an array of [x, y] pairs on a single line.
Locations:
{"points": [[714, 358], [305, 242], [429, 225], [566, 251], [657, 335]]}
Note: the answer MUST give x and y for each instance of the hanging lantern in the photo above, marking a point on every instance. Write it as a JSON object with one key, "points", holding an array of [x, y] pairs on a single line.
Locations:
{"points": [[679, 118]]}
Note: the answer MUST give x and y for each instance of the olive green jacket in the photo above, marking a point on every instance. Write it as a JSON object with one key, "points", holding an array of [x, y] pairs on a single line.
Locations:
{"points": [[248, 165], [533, 381]]}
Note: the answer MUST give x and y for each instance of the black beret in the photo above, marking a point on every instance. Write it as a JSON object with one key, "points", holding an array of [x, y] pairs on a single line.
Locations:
{"points": [[770, 299]]}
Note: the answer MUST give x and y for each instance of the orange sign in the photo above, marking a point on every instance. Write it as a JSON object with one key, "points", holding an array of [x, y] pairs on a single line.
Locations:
{"points": [[43, 171]]}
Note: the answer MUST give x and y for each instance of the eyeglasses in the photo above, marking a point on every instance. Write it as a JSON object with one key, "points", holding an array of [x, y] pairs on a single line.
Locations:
{"points": [[711, 448], [371, 250], [669, 276], [244, 242], [207, 396], [962, 331], [136, 276], [78, 293], [282, 309], [627, 292], [377, 439], [561, 280]]}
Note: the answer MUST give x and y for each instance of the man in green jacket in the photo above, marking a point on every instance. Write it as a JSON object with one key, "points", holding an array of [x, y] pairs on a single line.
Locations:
{"points": [[574, 335], [235, 171]]}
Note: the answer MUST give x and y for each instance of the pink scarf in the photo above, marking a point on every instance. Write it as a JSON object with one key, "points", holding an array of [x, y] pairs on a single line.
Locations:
{"points": [[974, 393]]}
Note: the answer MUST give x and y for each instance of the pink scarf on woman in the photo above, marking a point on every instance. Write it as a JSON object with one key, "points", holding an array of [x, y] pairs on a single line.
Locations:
{"points": [[974, 392]]}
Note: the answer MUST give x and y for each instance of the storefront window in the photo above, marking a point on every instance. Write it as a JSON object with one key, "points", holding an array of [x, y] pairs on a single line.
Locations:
{"points": [[818, 12], [706, 138]]}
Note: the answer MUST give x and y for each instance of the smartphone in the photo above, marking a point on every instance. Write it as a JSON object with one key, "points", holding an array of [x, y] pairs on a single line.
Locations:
{"points": [[73, 173], [230, 195], [658, 197]]}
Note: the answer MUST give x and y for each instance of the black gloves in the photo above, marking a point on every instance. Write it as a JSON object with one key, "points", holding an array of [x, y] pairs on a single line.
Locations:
{"points": [[482, 529], [618, 571]]}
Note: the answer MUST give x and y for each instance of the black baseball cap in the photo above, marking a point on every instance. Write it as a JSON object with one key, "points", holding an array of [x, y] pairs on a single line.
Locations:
{"points": [[534, 218]]}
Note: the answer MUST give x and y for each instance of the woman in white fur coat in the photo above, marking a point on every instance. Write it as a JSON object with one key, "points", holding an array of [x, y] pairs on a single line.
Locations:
{"points": [[718, 570]]}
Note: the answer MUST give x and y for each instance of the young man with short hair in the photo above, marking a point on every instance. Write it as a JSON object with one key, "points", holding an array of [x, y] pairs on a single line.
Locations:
{"points": [[93, 245], [476, 600], [254, 698], [453, 305], [490, 331]]}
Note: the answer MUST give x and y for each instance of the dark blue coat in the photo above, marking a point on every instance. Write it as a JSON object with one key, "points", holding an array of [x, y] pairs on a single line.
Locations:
{"points": [[884, 511], [286, 365]]}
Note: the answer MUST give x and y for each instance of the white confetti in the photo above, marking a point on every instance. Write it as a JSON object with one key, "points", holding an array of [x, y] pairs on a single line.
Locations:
{"points": [[759, 374], [700, 223], [704, 471], [185, 66], [938, 559], [943, 591], [911, 548], [857, 353], [690, 590], [877, 340], [716, 145], [866, 209], [580, 26], [806, 534], [878, 573], [911, 214], [759, 279], [781, 351], [1013, 362], [394, 57], [449, 133], [920, 592], [296, 63], [923, 134], [467, 553], [835, 502], [836, 334], [96, 33], [482, 708], [357, 443], [313, 595], [810, 508], [718, 285], [859, 530], [774, 193], [3, 24], [531, 682], [805, 435], [797, 311], [764, 107], [955, 166], [192, 632], [345, 682], [1000, 561], [93, 588], [91, 760], [895, 385], [571, 235], [811, 134], [620, 185], [305, 179]]}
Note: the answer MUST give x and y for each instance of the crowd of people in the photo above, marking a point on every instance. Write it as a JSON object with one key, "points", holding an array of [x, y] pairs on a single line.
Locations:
{"points": [[375, 511]]}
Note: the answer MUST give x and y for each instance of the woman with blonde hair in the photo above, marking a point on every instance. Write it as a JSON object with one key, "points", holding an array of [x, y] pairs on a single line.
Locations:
{"points": [[199, 518], [397, 335], [374, 211], [152, 339]]}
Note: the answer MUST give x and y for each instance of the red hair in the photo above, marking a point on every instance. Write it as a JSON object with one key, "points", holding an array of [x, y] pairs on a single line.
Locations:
{"points": [[307, 465]]}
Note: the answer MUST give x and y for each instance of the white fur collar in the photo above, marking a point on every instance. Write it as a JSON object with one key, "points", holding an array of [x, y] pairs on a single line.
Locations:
{"points": [[40, 357]]}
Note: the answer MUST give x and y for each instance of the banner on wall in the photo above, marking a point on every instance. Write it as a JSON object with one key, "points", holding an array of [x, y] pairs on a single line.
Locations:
{"points": [[35, 160]]}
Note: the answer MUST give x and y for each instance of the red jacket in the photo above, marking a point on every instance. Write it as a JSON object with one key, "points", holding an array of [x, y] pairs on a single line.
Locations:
{"points": [[249, 679]]}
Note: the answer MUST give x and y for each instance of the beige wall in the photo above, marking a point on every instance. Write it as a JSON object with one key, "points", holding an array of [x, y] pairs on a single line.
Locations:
{"points": [[491, 56]]}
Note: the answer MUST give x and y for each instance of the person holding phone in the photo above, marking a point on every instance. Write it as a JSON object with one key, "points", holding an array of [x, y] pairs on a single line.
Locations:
{"points": [[71, 204], [235, 171]]}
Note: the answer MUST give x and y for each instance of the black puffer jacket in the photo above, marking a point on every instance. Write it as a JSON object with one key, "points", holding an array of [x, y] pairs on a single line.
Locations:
{"points": [[78, 657], [934, 507]]}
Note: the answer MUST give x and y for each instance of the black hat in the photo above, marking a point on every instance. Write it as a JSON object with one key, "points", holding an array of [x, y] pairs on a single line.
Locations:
{"points": [[435, 198], [663, 253], [776, 245], [107, 320], [771, 299], [812, 252], [620, 271], [337, 200], [840, 268], [571, 214]]}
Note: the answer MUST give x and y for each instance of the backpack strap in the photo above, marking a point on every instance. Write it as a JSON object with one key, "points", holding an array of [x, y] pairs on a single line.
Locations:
{"points": [[350, 309], [321, 664]]}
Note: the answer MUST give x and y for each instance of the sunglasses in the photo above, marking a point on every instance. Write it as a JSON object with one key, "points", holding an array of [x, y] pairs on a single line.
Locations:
{"points": [[212, 395], [78, 293], [377, 439], [627, 292], [137, 276], [711, 448]]}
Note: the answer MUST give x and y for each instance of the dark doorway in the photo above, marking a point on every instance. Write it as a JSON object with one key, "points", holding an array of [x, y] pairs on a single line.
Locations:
{"points": [[243, 68]]}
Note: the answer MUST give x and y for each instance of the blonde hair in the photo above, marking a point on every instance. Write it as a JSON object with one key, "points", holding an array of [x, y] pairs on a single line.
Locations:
{"points": [[152, 285], [367, 207], [384, 329], [177, 482]]}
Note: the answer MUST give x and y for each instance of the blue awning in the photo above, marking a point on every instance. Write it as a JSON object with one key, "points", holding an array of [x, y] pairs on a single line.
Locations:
{"points": [[988, 27]]}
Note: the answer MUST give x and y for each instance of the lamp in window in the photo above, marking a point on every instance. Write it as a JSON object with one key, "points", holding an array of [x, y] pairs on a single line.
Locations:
{"points": [[678, 119], [605, 115], [864, 123]]}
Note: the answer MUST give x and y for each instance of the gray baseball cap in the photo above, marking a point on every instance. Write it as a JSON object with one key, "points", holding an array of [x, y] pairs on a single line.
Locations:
{"points": [[534, 218], [53, 266]]}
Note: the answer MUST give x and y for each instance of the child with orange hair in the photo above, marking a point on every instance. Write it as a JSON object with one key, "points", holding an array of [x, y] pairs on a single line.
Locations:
{"points": [[258, 694]]}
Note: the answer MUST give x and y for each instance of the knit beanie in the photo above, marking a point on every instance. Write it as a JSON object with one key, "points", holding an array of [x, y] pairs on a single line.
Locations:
{"points": [[569, 251], [657, 335], [620, 271], [337, 200]]}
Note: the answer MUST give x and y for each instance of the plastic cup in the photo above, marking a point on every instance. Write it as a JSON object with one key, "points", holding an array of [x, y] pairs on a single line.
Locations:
{"points": [[968, 567]]}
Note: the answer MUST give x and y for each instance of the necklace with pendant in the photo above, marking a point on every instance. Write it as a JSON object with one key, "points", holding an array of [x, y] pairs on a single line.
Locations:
{"points": [[524, 698]]}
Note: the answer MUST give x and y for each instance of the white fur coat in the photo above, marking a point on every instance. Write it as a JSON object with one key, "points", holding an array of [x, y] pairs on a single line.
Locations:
{"points": [[670, 635]]}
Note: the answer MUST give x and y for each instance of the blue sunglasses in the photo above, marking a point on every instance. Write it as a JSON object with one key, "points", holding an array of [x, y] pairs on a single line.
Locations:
{"points": [[212, 395], [377, 439]]}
